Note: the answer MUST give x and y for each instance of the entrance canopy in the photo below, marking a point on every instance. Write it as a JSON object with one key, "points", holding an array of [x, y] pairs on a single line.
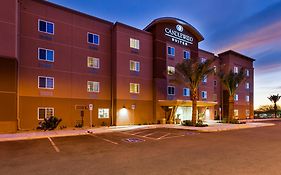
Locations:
{"points": [[186, 103]]}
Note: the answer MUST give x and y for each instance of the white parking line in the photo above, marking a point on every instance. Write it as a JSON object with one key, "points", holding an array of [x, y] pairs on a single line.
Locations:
{"points": [[138, 132], [163, 136], [54, 145], [149, 134], [105, 139], [171, 137], [138, 135]]}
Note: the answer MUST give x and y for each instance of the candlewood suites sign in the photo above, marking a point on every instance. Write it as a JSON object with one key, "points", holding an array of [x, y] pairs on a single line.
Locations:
{"points": [[177, 36]]}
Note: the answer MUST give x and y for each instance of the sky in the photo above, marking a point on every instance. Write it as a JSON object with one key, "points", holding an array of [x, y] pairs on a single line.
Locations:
{"points": [[251, 27]]}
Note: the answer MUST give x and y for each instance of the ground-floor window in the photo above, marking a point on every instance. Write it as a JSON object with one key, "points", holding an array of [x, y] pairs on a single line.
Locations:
{"points": [[235, 112], [103, 113], [44, 112]]}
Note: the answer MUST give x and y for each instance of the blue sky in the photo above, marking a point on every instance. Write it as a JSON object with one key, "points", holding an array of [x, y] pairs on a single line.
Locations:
{"points": [[252, 27]]}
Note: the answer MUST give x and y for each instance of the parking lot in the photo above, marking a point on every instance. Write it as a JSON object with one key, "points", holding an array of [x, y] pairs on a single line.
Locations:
{"points": [[148, 151]]}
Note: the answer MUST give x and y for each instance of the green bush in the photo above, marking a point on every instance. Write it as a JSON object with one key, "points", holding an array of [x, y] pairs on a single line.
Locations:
{"points": [[49, 123], [200, 124], [186, 123], [103, 124]]}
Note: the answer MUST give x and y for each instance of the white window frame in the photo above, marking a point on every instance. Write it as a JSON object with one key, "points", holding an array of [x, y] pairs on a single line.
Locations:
{"points": [[134, 43], [187, 95], [247, 85], [205, 79], [46, 82], [135, 84], [184, 54], [45, 108], [204, 95], [171, 87], [173, 48], [173, 70], [93, 38], [94, 58], [134, 66], [247, 72], [203, 60], [94, 82], [247, 98], [235, 69], [103, 112], [38, 54], [46, 27]]}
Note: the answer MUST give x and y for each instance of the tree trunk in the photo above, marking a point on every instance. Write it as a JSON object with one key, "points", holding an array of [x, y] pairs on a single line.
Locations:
{"points": [[194, 105], [230, 108], [275, 110]]}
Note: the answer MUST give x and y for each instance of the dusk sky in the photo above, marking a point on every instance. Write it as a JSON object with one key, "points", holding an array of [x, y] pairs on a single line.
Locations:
{"points": [[251, 27]]}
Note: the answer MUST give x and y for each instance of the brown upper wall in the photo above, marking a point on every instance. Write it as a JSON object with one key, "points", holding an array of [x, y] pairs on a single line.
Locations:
{"points": [[8, 28]]}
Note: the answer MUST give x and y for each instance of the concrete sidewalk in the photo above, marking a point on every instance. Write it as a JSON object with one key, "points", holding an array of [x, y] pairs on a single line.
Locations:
{"points": [[213, 127]]}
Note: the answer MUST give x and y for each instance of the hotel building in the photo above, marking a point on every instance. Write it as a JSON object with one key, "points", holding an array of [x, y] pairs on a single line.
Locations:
{"points": [[57, 61]]}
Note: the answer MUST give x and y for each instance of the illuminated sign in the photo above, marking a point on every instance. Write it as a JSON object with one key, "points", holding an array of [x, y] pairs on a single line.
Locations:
{"points": [[177, 36]]}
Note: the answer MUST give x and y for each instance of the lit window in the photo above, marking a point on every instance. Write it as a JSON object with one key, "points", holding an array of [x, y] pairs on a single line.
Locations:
{"points": [[204, 80], [46, 54], [247, 85], [93, 38], [186, 54], [236, 97], [247, 72], [204, 94], [134, 88], [134, 43], [46, 26], [203, 60], [134, 65], [93, 86], [171, 51], [247, 98], [235, 69], [45, 112], [45, 82], [103, 113], [171, 70], [186, 92], [171, 90], [235, 112], [93, 62]]}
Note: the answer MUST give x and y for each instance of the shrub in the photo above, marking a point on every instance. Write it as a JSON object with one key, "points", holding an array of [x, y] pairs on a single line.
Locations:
{"points": [[49, 123], [186, 123], [200, 124], [103, 124]]}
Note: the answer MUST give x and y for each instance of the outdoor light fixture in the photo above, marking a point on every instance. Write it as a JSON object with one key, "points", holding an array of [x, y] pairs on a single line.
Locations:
{"points": [[124, 107]]}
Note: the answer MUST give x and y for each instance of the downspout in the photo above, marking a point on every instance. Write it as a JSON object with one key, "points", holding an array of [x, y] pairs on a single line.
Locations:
{"points": [[18, 63]]}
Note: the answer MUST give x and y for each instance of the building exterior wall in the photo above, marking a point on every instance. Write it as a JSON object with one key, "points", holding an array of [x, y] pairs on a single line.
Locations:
{"points": [[20, 68]]}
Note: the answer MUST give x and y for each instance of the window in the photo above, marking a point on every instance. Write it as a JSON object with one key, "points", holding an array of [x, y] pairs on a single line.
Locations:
{"points": [[171, 51], [215, 69], [93, 38], [186, 54], [186, 92], [134, 65], [235, 69], [93, 86], [46, 26], [171, 90], [247, 85], [45, 82], [235, 112], [134, 88], [247, 72], [236, 97], [204, 80], [46, 54], [215, 82], [204, 94], [171, 70], [247, 98], [215, 97], [203, 60], [44, 112], [247, 113], [93, 62], [103, 113], [134, 43]]}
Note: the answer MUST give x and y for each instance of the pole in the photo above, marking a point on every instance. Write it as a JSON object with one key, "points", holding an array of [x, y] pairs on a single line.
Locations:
{"points": [[91, 121]]}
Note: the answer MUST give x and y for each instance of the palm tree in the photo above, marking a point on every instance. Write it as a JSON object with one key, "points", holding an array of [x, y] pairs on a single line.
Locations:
{"points": [[231, 82], [190, 73], [274, 99]]}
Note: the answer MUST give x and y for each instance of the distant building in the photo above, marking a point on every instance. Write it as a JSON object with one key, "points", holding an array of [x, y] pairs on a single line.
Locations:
{"points": [[57, 61]]}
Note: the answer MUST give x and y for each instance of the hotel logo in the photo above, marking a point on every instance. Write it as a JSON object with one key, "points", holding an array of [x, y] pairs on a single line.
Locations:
{"points": [[177, 36]]}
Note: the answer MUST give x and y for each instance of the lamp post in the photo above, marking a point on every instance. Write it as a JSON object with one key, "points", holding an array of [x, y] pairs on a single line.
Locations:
{"points": [[91, 118]]}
